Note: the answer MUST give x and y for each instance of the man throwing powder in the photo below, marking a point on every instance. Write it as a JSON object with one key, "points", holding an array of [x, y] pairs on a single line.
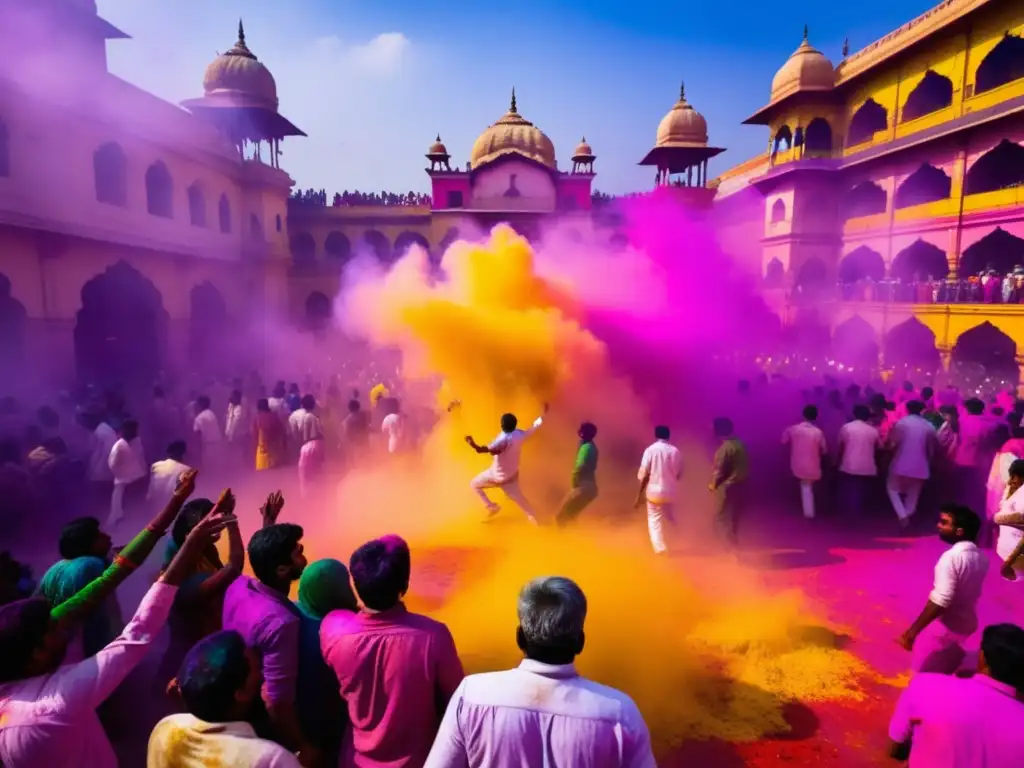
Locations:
{"points": [[504, 470]]}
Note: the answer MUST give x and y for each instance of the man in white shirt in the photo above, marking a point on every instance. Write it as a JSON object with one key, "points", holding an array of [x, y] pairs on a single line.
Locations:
{"points": [[237, 426], [392, 426], [218, 683], [661, 467], [950, 616], [164, 475], [542, 712], [913, 440], [101, 440], [859, 442], [806, 447], [128, 465], [503, 473], [211, 440]]}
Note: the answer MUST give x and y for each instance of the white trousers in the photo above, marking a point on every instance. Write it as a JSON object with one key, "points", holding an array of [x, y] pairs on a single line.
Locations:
{"points": [[510, 488], [807, 498], [898, 486], [657, 515], [116, 505]]}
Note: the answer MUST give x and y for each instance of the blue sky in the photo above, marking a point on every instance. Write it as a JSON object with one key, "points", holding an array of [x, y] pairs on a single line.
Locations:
{"points": [[372, 83]]}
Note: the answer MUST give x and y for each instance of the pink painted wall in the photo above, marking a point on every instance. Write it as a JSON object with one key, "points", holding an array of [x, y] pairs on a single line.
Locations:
{"points": [[442, 185], [577, 188], [532, 181]]}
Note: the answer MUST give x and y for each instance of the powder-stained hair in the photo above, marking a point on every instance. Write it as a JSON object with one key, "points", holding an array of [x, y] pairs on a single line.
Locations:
{"points": [[552, 610]]}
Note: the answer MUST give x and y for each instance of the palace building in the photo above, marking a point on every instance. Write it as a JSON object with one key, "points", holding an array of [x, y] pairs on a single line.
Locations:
{"points": [[903, 161]]}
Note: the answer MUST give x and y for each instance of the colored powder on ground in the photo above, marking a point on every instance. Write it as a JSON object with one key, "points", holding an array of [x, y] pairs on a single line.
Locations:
{"points": [[702, 647]]}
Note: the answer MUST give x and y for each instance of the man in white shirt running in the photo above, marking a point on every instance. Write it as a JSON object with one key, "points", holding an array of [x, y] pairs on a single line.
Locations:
{"points": [[504, 470], [950, 616], [913, 440], [806, 447], [859, 442], [661, 467], [164, 475], [128, 465]]}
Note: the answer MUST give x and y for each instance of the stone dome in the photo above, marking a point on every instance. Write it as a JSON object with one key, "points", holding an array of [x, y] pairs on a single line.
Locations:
{"points": [[513, 134], [437, 148], [683, 126], [806, 70], [583, 149], [238, 78]]}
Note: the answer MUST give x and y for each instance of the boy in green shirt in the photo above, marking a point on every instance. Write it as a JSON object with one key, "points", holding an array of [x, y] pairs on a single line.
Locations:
{"points": [[584, 477]]}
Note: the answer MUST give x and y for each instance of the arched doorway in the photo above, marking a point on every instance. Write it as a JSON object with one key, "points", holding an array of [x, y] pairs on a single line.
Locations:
{"points": [[918, 261], [319, 311], [855, 343], [998, 250], [12, 328], [376, 242], [774, 274], [303, 248], [870, 118], [407, 239], [911, 345], [1003, 64], [208, 329], [337, 246], [925, 185], [121, 329], [862, 263], [110, 174], [811, 277], [783, 140], [1002, 167], [933, 93], [818, 137], [989, 349]]}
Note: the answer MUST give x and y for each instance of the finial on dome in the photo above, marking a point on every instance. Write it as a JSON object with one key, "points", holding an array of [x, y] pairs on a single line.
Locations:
{"points": [[682, 91], [513, 107], [438, 139], [241, 32], [846, 47], [583, 140], [805, 33]]}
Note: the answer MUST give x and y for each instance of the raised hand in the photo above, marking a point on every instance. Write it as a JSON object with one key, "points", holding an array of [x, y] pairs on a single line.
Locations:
{"points": [[225, 504], [272, 508], [186, 484]]}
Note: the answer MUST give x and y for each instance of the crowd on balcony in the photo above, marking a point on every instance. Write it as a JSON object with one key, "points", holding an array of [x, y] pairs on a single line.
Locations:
{"points": [[313, 197], [987, 287]]}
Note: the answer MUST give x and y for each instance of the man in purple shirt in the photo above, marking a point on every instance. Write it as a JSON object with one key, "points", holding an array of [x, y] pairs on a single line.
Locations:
{"points": [[396, 670], [260, 611], [943, 721]]}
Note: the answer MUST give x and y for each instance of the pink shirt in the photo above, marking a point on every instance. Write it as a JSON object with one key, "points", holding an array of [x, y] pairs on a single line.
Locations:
{"points": [[396, 671], [51, 720], [806, 447], [955, 722], [540, 714], [269, 623]]}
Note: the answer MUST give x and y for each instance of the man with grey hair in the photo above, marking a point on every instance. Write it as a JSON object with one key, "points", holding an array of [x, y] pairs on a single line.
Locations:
{"points": [[542, 712]]}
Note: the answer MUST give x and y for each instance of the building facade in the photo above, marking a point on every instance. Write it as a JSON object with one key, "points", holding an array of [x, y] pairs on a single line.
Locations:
{"points": [[898, 168]]}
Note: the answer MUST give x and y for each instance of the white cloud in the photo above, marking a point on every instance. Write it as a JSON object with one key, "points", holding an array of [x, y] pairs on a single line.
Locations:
{"points": [[382, 55]]}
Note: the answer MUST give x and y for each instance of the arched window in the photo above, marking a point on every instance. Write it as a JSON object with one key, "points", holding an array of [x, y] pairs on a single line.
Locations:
{"points": [[159, 190], [377, 243], [925, 185], [255, 228], [783, 140], [1003, 64], [5, 150], [407, 239], [998, 250], [865, 199], [338, 246], [110, 174], [818, 137], [862, 263], [869, 119], [933, 93], [196, 205], [778, 211], [224, 214], [1002, 167], [920, 260], [774, 274]]}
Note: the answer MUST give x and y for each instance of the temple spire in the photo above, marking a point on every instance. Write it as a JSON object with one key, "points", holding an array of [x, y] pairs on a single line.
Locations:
{"points": [[805, 33], [513, 107], [682, 91], [846, 47], [241, 32]]}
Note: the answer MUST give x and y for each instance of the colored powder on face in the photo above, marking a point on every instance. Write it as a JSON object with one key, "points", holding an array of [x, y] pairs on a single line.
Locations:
{"points": [[701, 646]]}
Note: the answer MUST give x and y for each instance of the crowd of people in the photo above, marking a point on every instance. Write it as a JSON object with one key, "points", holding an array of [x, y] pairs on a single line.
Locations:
{"points": [[345, 674], [986, 287], [313, 197]]}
